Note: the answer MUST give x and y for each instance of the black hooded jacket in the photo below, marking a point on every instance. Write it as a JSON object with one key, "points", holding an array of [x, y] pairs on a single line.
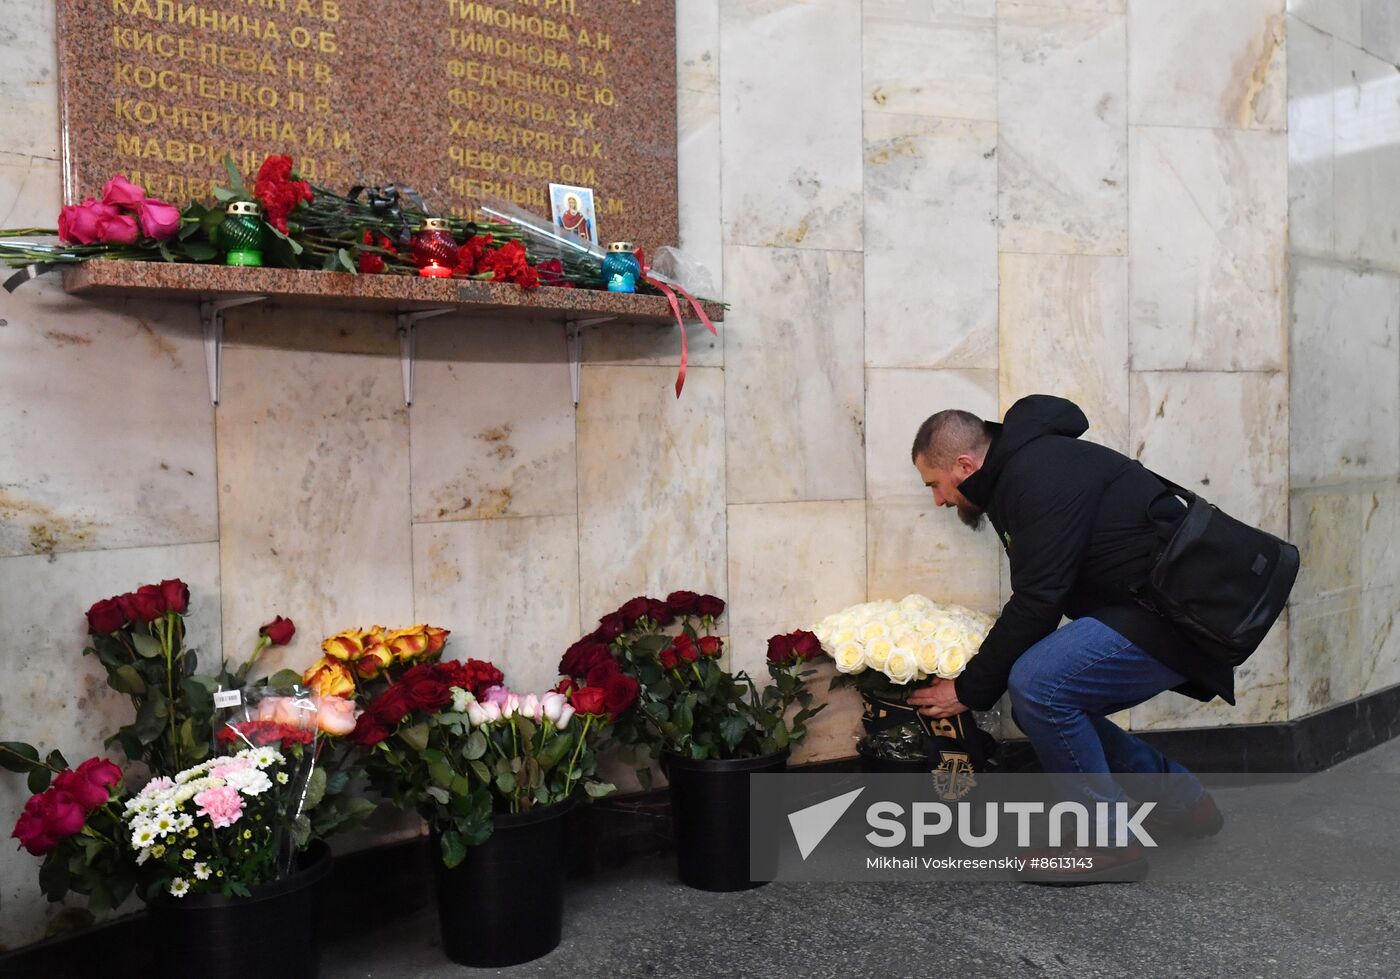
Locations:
{"points": [[1072, 516]]}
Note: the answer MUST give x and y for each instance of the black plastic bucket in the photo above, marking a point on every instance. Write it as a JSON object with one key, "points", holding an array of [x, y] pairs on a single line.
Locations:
{"points": [[271, 934], [504, 904], [710, 818]]}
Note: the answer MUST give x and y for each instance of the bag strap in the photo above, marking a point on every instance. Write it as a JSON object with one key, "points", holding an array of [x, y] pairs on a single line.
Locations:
{"points": [[1170, 489]]}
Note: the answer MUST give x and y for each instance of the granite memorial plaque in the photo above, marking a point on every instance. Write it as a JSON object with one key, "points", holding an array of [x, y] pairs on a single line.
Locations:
{"points": [[455, 98]]}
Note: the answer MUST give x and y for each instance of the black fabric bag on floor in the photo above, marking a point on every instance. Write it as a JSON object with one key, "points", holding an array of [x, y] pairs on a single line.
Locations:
{"points": [[1221, 582]]}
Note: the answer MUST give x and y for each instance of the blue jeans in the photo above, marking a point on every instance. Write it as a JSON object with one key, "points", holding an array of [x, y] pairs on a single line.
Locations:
{"points": [[1063, 687]]}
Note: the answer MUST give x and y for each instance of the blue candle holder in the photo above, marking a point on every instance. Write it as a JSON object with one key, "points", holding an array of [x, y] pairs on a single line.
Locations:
{"points": [[621, 270]]}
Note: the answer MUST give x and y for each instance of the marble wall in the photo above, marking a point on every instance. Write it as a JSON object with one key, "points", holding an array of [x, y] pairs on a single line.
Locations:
{"points": [[1344, 441], [911, 205]]}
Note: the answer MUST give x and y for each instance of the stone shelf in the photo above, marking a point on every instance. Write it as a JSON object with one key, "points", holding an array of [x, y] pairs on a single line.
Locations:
{"points": [[410, 298]]}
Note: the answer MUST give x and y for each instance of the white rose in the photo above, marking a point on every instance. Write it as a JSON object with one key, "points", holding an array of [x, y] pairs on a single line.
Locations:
{"points": [[872, 631], [927, 657], [952, 661], [476, 713], [907, 640], [900, 667], [948, 633], [877, 653], [460, 699], [850, 658], [894, 619], [841, 636], [552, 704], [566, 714], [926, 626]]}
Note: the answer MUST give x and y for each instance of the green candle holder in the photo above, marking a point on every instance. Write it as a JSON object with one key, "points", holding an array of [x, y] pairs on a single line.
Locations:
{"points": [[241, 234]]}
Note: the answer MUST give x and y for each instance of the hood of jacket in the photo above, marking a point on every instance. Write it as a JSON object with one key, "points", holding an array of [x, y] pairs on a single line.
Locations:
{"points": [[1033, 417]]}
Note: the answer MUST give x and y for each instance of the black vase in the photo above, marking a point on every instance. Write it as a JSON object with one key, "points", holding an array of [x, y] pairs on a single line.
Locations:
{"points": [[504, 903], [272, 934], [710, 818]]}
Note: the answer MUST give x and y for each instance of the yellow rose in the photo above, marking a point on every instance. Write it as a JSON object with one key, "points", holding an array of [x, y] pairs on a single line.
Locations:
{"points": [[952, 661], [407, 645], [850, 658], [900, 667], [877, 653], [329, 678], [346, 645]]}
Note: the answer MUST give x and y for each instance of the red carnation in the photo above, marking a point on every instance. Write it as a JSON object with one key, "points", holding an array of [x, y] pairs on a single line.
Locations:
{"points": [[710, 646], [589, 700], [620, 693], [478, 675], [683, 602], [369, 263], [709, 605], [278, 192], [105, 616], [176, 594]]}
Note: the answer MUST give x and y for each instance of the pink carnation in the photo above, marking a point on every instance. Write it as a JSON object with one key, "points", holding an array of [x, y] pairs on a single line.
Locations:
{"points": [[223, 805], [224, 768]]}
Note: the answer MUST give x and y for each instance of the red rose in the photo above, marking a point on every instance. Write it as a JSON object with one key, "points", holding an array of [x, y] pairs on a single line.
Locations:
{"points": [[709, 605], [620, 693], [391, 705], [127, 603], [369, 263], [690, 653], [589, 700], [805, 644], [611, 626], [711, 646], [684, 643], [148, 604], [105, 616], [118, 229], [583, 655], [634, 610], [369, 730], [660, 612], [122, 192], [430, 695], [565, 686], [32, 828], [279, 630], [602, 673], [176, 594], [66, 815], [683, 602], [780, 649], [80, 790], [669, 658]]}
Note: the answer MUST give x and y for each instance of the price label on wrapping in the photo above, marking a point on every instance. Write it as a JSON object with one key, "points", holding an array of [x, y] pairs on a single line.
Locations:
{"points": [[228, 698]]}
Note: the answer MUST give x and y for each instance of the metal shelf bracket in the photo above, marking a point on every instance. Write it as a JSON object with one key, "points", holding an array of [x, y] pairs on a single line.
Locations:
{"points": [[574, 335], [211, 316], [408, 344]]}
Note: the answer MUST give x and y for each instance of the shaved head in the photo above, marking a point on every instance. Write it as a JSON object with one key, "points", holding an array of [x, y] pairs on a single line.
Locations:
{"points": [[949, 434]]}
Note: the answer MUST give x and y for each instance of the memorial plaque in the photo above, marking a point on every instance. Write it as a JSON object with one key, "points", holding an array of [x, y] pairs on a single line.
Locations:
{"points": [[455, 98]]}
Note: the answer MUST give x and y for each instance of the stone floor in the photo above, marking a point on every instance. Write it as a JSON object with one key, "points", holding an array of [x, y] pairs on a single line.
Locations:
{"points": [[640, 922]]}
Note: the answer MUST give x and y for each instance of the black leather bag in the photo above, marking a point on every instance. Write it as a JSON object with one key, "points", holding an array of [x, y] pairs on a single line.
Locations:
{"points": [[1221, 582]]}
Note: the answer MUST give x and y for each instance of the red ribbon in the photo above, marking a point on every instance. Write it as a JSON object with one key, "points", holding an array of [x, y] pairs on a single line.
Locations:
{"points": [[666, 290]]}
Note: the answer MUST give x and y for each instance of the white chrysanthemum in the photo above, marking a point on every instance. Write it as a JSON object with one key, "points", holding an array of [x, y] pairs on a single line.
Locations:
{"points": [[249, 781], [179, 887], [900, 666], [952, 660], [282, 778], [877, 653], [183, 821], [850, 658], [198, 771], [143, 835], [262, 757], [164, 823], [201, 871], [187, 853]]}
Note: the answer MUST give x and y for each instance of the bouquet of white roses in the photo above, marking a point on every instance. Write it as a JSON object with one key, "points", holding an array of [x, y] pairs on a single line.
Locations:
{"points": [[213, 828], [884, 646]]}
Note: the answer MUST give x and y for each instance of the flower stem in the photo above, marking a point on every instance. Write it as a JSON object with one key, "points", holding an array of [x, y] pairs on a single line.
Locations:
{"points": [[582, 737]]}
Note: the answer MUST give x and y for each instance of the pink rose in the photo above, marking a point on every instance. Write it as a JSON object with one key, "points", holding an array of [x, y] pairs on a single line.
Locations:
{"points": [[122, 192], [159, 220], [335, 715], [282, 710], [78, 223], [495, 695], [117, 229]]}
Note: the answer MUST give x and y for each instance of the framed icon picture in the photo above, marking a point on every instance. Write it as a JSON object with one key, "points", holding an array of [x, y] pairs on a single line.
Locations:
{"points": [[572, 209]]}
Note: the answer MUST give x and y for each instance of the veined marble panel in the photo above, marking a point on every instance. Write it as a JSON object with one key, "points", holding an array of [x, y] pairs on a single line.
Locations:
{"points": [[1380, 28], [930, 58], [314, 478], [1311, 133], [698, 172], [697, 46], [930, 242], [1209, 227], [1326, 525], [29, 87], [55, 697], [31, 192], [1340, 18], [794, 384], [492, 424], [790, 564], [1380, 656], [508, 590], [1261, 693], [1221, 435], [1344, 341], [1064, 332], [1205, 63], [106, 430], [897, 403], [918, 548], [791, 115], [651, 478], [1330, 650], [1367, 147], [1063, 152]]}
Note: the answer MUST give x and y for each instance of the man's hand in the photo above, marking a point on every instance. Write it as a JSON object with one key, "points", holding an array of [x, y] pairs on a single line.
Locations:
{"points": [[937, 700]]}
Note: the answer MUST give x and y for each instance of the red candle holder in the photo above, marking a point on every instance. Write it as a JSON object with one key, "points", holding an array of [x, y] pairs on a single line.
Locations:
{"points": [[434, 249]]}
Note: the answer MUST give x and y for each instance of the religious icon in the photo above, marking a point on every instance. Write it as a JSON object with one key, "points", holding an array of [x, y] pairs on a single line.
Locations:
{"points": [[573, 210]]}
